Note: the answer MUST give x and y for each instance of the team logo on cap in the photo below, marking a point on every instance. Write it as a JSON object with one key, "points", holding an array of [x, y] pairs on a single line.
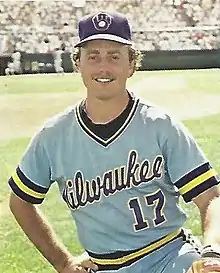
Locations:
{"points": [[102, 21]]}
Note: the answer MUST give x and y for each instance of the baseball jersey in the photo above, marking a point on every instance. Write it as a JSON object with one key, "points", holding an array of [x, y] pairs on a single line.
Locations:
{"points": [[123, 191]]}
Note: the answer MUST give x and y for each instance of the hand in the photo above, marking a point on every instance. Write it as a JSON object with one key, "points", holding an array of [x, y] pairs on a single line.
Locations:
{"points": [[80, 264], [71, 267], [211, 265], [205, 265]]}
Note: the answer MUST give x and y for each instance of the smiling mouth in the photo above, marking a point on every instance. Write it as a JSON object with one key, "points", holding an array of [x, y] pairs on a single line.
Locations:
{"points": [[104, 80]]}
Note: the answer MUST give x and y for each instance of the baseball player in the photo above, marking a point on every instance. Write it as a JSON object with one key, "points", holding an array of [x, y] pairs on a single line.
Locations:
{"points": [[57, 55], [14, 67], [121, 165]]}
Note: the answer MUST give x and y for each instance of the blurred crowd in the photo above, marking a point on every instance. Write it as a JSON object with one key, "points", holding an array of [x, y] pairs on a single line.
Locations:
{"points": [[45, 26]]}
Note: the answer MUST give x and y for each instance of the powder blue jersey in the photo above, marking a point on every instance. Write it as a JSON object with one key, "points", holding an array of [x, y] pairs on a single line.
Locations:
{"points": [[123, 192]]}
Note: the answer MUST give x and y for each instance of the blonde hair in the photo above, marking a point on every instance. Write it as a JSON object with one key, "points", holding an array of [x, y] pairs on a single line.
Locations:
{"points": [[133, 54]]}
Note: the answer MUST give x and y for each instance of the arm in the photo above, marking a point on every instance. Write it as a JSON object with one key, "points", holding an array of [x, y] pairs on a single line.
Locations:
{"points": [[30, 183], [39, 232], [197, 181], [208, 204]]}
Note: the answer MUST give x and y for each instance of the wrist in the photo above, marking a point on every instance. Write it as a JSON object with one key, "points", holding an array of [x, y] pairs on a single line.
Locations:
{"points": [[64, 260]]}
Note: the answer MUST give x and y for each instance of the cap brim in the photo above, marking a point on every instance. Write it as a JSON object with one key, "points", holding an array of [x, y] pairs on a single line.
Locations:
{"points": [[107, 37]]}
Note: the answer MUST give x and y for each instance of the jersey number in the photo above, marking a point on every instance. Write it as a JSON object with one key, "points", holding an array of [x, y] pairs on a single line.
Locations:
{"points": [[157, 200]]}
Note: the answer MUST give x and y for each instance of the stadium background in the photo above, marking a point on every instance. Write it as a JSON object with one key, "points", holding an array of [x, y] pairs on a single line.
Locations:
{"points": [[171, 33]]}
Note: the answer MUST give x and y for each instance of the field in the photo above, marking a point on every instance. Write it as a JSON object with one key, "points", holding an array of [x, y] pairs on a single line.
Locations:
{"points": [[26, 101]]}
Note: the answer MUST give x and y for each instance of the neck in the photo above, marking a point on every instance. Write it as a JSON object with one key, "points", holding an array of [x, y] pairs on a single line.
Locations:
{"points": [[104, 111]]}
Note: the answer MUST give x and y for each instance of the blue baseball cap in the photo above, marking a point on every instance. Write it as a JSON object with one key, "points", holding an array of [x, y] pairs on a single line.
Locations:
{"points": [[106, 26]]}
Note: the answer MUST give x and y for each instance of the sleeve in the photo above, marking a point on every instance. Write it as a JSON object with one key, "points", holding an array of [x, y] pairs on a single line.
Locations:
{"points": [[31, 179], [186, 164]]}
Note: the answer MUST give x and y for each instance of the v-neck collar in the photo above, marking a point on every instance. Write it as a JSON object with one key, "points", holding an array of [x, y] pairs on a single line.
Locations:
{"points": [[93, 135]]}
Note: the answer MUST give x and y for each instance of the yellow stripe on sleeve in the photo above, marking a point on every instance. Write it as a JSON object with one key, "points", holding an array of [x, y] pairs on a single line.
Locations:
{"points": [[196, 181], [25, 189]]}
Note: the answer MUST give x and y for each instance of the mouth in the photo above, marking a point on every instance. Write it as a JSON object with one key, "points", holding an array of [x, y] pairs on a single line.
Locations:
{"points": [[103, 80]]}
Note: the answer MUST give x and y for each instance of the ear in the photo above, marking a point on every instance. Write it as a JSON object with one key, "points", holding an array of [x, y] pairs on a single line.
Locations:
{"points": [[76, 65], [75, 57], [131, 68]]}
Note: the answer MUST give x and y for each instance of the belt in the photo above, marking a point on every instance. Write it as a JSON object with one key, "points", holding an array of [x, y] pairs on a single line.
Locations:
{"points": [[119, 259]]}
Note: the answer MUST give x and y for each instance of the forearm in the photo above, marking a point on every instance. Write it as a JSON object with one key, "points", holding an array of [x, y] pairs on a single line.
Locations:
{"points": [[211, 222], [39, 232]]}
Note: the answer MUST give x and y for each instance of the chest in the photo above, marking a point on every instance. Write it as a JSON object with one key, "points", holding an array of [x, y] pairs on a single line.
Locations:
{"points": [[81, 157], [88, 173]]}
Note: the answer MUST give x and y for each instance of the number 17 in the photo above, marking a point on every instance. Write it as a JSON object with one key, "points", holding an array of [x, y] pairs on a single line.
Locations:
{"points": [[158, 200]]}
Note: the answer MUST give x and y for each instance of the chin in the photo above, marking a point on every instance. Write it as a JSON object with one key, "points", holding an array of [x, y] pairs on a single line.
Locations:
{"points": [[105, 92], [105, 97]]}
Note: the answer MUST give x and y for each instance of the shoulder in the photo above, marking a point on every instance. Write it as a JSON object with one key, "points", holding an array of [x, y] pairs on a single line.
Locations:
{"points": [[61, 119], [152, 112], [158, 119], [57, 125]]}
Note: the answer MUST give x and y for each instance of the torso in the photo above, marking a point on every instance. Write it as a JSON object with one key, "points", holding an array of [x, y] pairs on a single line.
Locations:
{"points": [[116, 187]]}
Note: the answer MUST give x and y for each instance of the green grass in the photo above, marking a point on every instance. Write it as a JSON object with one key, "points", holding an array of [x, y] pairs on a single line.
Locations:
{"points": [[10, 152], [51, 83], [16, 252], [197, 80], [44, 84]]}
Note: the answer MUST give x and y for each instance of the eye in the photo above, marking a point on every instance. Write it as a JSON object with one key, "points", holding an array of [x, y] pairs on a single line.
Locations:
{"points": [[92, 57], [115, 57]]}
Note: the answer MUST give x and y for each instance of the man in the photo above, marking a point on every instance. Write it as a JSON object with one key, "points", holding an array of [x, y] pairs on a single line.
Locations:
{"points": [[57, 55], [14, 67], [121, 165]]}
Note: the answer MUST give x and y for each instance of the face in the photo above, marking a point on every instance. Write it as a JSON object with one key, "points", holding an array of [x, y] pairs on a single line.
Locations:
{"points": [[105, 68]]}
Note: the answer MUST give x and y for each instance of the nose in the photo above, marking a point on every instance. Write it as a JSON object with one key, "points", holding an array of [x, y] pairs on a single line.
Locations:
{"points": [[103, 64]]}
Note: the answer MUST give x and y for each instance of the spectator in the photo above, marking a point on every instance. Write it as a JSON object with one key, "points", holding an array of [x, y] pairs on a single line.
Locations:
{"points": [[29, 23]]}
